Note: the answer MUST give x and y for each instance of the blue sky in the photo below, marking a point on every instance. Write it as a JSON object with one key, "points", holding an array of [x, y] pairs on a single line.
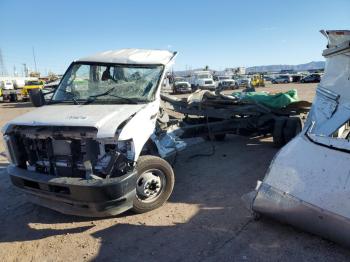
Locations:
{"points": [[216, 33]]}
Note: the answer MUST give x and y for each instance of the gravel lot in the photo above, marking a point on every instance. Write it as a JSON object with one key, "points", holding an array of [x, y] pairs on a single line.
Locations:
{"points": [[204, 220]]}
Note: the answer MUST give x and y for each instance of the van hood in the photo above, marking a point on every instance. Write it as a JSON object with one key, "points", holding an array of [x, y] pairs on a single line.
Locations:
{"points": [[105, 118]]}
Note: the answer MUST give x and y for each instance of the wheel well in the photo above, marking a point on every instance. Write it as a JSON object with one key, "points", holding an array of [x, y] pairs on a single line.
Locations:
{"points": [[149, 148]]}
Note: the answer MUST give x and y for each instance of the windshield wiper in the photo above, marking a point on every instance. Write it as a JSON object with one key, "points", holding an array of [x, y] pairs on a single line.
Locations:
{"points": [[93, 98]]}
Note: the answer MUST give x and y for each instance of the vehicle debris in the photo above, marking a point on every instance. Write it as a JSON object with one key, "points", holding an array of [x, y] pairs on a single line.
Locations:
{"points": [[307, 184], [97, 147], [205, 111]]}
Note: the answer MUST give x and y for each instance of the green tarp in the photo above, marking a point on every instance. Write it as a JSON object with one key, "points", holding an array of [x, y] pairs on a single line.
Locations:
{"points": [[278, 100]]}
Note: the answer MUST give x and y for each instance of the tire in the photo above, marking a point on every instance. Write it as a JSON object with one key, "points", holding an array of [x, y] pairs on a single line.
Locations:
{"points": [[292, 128], [36, 97], [152, 164], [13, 98], [286, 82], [277, 133]]}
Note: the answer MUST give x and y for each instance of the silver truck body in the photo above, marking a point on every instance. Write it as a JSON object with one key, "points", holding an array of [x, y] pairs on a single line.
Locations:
{"points": [[308, 182]]}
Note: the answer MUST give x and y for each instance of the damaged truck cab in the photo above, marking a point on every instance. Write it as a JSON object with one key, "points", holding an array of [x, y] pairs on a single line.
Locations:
{"points": [[95, 148], [308, 182]]}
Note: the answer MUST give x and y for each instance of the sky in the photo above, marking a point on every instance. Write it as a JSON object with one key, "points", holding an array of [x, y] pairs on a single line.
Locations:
{"points": [[217, 33]]}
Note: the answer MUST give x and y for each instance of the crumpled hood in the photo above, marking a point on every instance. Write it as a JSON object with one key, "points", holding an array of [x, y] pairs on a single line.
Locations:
{"points": [[106, 118]]}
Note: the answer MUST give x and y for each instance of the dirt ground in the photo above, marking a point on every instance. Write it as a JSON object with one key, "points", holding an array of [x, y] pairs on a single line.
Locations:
{"points": [[204, 220]]}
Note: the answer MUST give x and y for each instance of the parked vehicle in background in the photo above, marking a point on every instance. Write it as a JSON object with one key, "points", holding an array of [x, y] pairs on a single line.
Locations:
{"points": [[96, 148], [257, 80], [282, 79], [313, 78], [269, 78], [224, 82], [181, 85], [8, 85], [19, 83], [202, 80], [8, 91], [296, 78], [242, 81], [30, 85]]}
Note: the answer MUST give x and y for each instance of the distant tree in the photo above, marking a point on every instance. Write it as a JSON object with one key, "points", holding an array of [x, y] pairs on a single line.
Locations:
{"points": [[34, 74], [206, 68], [52, 77]]}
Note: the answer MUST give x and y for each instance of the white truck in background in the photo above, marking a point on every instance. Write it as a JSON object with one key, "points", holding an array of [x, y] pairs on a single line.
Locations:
{"points": [[224, 82], [202, 80], [8, 91]]}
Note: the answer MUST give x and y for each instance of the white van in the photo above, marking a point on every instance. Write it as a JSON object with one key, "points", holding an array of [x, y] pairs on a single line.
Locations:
{"points": [[95, 148]]}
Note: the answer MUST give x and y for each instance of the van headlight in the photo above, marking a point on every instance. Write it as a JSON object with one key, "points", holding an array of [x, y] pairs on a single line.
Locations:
{"points": [[127, 148]]}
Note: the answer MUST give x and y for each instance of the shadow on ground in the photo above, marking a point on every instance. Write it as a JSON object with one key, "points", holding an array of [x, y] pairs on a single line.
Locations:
{"points": [[16, 104], [205, 218]]}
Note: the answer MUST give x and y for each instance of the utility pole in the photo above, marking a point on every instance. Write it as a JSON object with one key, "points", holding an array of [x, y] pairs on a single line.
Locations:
{"points": [[36, 70], [14, 70], [25, 70], [3, 70]]}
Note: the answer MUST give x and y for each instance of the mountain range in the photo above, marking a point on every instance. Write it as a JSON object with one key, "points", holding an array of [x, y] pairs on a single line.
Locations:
{"points": [[269, 68], [277, 68]]}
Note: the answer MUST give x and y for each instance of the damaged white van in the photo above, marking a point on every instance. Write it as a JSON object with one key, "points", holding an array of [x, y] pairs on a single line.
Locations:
{"points": [[308, 182], [95, 148]]}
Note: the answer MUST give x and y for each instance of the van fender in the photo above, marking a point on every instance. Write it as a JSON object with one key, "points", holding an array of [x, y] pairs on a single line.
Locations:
{"points": [[140, 127]]}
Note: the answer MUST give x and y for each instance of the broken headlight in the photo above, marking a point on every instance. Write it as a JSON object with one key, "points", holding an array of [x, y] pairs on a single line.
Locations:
{"points": [[10, 150], [117, 159], [127, 148]]}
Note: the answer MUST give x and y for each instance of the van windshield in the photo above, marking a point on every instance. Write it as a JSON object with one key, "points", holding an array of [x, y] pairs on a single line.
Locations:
{"points": [[109, 83]]}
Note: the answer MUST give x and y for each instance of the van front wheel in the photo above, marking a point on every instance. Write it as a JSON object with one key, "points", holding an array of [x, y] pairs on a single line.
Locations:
{"points": [[154, 184]]}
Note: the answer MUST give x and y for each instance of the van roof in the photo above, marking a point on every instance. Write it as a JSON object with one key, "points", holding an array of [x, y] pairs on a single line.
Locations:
{"points": [[132, 56]]}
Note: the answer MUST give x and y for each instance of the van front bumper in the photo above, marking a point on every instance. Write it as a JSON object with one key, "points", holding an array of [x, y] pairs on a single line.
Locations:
{"points": [[77, 196]]}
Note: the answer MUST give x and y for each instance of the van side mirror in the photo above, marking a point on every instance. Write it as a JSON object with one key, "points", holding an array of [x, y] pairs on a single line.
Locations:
{"points": [[37, 97]]}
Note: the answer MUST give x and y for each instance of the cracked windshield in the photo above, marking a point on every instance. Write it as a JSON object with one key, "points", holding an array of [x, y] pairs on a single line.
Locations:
{"points": [[108, 83]]}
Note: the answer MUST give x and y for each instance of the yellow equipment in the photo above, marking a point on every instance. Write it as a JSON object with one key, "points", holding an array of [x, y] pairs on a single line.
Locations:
{"points": [[33, 84], [257, 80]]}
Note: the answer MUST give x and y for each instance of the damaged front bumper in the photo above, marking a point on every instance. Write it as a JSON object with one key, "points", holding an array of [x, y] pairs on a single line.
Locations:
{"points": [[77, 196]]}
